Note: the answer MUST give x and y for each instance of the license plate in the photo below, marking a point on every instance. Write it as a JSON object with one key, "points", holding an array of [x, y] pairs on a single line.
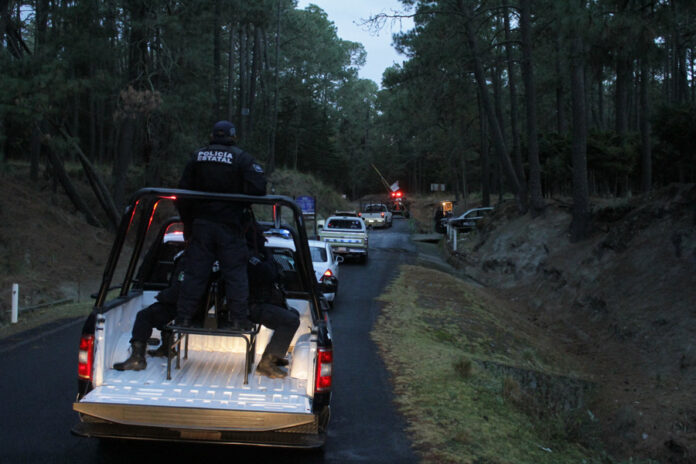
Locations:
{"points": [[341, 249]]}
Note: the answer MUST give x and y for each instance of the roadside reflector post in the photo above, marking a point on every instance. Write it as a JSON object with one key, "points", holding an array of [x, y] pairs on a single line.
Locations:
{"points": [[454, 243], [15, 303]]}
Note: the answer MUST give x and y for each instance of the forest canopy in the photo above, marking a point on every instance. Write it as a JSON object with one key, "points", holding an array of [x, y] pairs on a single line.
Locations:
{"points": [[531, 98]]}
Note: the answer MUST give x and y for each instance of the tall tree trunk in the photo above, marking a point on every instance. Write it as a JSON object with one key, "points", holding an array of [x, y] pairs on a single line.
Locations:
{"points": [[601, 121], [497, 103], [255, 66], [645, 150], [276, 94], [122, 161], [621, 95], [98, 186], [217, 51], [580, 224], [243, 72], [496, 132], [62, 177], [485, 165], [137, 71], [514, 127], [35, 146], [560, 94], [536, 196], [231, 75]]}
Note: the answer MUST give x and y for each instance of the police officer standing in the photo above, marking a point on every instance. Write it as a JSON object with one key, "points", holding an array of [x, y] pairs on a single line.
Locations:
{"points": [[214, 229]]}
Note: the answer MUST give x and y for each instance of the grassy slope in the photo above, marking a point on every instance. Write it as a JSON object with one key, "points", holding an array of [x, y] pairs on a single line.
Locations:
{"points": [[442, 341]]}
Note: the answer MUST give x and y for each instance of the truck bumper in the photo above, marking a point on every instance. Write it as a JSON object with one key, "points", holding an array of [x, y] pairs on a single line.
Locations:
{"points": [[376, 222], [348, 251], [283, 430]]}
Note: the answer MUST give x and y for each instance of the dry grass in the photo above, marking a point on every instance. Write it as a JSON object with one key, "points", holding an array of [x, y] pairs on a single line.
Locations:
{"points": [[32, 319], [436, 335]]}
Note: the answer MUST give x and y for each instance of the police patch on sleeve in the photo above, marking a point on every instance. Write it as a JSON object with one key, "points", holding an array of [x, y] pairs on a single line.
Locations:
{"points": [[257, 168]]}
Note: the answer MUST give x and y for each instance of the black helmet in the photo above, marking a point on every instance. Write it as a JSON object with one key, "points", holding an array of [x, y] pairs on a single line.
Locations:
{"points": [[224, 133]]}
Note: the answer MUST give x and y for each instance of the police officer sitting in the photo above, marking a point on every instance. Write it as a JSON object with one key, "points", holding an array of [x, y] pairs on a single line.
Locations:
{"points": [[214, 228], [269, 307], [157, 315]]}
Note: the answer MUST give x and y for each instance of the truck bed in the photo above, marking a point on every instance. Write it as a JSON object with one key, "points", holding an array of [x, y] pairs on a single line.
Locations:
{"points": [[206, 379], [208, 389]]}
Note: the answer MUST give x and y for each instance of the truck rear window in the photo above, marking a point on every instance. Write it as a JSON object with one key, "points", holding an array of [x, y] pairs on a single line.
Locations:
{"points": [[344, 224]]}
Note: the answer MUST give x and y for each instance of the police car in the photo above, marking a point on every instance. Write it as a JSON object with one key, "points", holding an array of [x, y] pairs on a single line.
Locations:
{"points": [[324, 261], [212, 394]]}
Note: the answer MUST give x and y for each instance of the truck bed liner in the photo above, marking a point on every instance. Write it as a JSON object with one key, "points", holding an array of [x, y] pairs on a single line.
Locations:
{"points": [[208, 380]]}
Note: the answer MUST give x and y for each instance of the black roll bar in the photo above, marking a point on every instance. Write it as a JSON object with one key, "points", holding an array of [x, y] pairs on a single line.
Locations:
{"points": [[148, 198]]}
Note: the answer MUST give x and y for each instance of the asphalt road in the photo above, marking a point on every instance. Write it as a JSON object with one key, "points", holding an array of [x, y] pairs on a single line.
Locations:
{"points": [[39, 385]]}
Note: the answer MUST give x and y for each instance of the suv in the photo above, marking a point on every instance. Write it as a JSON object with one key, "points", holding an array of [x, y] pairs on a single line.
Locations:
{"points": [[215, 397]]}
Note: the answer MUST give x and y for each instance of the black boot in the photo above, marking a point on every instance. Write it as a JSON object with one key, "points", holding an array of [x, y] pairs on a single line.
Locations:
{"points": [[161, 351], [268, 367], [136, 361]]}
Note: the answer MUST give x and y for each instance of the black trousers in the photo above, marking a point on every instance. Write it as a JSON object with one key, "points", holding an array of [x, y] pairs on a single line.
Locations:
{"points": [[283, 322], [211, 241], [157, 315]]}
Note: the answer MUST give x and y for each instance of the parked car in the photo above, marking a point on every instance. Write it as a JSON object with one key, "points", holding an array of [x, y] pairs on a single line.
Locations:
{"points": [[215, 396], [347, 236], [468, 220], [324, 261], [326, 268]]}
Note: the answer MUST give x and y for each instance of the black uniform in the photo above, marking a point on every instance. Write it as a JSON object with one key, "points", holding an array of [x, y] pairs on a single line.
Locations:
{"points": [[158, 314], [215, 227], [268, 305]]}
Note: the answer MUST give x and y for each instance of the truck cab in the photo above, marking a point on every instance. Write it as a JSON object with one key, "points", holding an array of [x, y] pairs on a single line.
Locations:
{"points": [[214, 396]]}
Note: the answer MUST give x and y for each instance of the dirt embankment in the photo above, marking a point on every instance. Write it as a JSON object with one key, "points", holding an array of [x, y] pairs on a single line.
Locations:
{"points": [[623, 301], [45, 247]]}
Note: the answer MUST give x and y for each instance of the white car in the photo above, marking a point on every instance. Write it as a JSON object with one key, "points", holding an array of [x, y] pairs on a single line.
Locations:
{"points": [[325, 268], [324, 261]]}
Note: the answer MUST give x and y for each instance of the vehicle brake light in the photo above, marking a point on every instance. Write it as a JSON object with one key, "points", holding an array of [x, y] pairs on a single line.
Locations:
{"points": [[327, 273], [323, 377], [85, 357], [382, 213], [359, 214]]}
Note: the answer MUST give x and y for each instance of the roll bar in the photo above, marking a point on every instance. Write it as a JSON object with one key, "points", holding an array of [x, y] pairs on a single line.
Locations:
{"points": [[145, 201]]}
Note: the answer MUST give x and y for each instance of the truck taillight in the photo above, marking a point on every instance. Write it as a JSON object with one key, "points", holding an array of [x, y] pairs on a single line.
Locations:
{"points": [[324, 363], [85, 357], [382, 214]]}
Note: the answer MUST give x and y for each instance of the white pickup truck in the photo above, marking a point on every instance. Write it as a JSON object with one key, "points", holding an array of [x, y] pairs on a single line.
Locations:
{"points": [[376, 215], [347, 236], [214, 395]]}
